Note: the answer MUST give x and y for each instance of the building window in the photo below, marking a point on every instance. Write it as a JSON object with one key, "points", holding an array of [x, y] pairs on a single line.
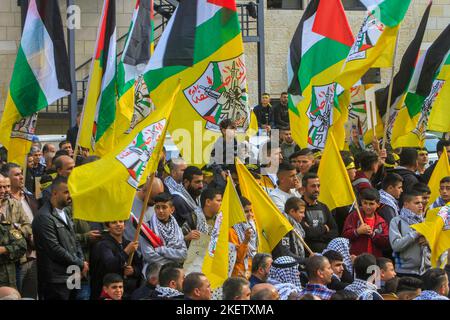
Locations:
{"points": [[285, 4], [353, 5]]}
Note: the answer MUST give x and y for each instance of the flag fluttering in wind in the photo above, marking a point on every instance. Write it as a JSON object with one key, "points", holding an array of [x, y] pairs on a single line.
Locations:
{"points": [[216, 262], [317, 52], [271, 224], [40, 77], [412, 120], [375, 43], [441, 171], [202, 45], [96, 131], [104, 190], [134, 102]]}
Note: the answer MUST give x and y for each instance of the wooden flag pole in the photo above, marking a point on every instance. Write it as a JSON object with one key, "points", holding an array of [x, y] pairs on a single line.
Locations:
{"points": [[359, 212], [141, 218], [388, 107], [311, 253], [372, 120]]}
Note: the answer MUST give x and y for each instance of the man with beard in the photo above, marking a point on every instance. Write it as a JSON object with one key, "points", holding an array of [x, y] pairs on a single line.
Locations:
{"points": [[287, 144], [280, 112], [319, 225], [174, 181], [56, 245], [186, 199]]}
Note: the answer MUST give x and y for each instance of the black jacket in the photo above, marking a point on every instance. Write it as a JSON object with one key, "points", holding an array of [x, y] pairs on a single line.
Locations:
{"points": [[56, 245], [288, 247], [316, 217], [428, 172], [108, 256], [409, 177], [280, 116], [264, 115]]}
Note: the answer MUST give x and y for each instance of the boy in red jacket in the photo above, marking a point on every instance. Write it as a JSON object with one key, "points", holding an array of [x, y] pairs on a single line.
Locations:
{"points": [[372, 236]]}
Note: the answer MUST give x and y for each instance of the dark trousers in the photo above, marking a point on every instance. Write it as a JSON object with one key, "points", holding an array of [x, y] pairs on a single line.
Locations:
{"points": [[58, 291]]}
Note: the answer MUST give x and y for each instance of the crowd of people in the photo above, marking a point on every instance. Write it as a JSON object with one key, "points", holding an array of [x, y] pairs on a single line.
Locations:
{"points": [[330, 254]]}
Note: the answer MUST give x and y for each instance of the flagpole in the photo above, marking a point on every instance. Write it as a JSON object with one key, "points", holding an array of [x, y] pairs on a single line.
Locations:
{"points": [[388, 107], [359, 212], [141, 218], [372, 120]]}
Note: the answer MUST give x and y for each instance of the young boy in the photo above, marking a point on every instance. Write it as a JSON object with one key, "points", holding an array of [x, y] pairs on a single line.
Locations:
{"points": [[112, 287], [392, 188], [444, 190], [372, 236]]}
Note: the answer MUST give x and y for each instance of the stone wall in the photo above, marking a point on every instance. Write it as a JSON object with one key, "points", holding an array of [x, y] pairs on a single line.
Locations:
{"points": [[280, 26]]}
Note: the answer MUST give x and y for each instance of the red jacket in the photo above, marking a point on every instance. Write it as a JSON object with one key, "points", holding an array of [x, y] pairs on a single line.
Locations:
{"points": [[360, 243]]}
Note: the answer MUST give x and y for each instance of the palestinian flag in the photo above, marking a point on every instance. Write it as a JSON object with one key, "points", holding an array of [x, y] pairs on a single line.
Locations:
{"points": [[202, 48], [317, 51], [99, 112], [41, 76], [375, 43], [412, 120], [403, 76], [134, 100]]}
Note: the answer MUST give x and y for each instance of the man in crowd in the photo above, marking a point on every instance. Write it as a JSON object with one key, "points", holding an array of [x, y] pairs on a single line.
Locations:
{"points": [[435, 285], [112, 287], [387, 270], [372, 236], [287, 144], [287, 182], [408, 167], [444, 191], [56, 245], [442, 146], [281, 112], [409, 288], [152, 280], [171, 246], [362, 287], [173, 182], [319, 225], [186, 200], [264, 291], [422, 160], [270, 157], [67, 146], [171, 278], [302, 160], [337, 265], [236, 288], [111, 255], [203, 222], [260, 269], [392, 188], [264, 113], [411, 252], [320, 273], [196, 286], [369, 165], [423, 190]]}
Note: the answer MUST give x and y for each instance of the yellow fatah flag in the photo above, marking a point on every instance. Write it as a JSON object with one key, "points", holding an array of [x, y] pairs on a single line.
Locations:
{"points": [[271, 224], [436, 230], [439, 119], [441, 171], [104, 190], [215, 264], [332, 173]]}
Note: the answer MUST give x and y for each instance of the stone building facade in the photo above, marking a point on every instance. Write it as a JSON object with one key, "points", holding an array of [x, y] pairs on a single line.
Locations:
{"points": [[280, 26]]}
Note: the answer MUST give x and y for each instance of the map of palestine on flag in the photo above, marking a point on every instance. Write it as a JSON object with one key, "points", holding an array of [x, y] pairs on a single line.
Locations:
{"points": [[375, 42], [104, 190], [403, 76], [317, 52], [134, 100], [99, 112], [201, 45], [412, 120], [40, 77]]}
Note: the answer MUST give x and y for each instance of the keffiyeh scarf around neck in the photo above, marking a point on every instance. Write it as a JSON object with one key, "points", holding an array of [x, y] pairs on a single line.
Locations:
{"points": [[202, 225], [389, 200], [285, 270], [301, 231], [172, 185], [169, 232], [167, 292], [341, 245]]}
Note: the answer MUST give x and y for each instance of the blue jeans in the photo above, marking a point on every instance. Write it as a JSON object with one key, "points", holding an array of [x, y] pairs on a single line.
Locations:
{"points": [[85, 292]]}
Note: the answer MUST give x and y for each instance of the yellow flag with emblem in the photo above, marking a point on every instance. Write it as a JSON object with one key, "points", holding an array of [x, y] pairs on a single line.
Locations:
{"points": [[441, 170], [436, 230], [216, 265], [104, 190], [271, 224]]}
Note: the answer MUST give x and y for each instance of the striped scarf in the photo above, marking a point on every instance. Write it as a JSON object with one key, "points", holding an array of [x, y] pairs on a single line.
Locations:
{"points": [[202, 225], [240, 229], [170, 232], [172, 185], [389, 200]]}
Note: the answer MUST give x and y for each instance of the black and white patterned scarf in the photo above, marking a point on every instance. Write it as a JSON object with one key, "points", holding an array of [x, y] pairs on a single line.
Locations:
{"points": [[194, 205], [167, 292], [170, 233], [240, 229], [389, 200]]}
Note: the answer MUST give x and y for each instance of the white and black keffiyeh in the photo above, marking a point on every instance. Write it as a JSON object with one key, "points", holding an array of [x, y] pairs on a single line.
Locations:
{"points": [[389, 200], [284, 275], [341, 245], [170, 233], [202, 225], [240, 229], [172, 185], [167, 292], [301, 231]]}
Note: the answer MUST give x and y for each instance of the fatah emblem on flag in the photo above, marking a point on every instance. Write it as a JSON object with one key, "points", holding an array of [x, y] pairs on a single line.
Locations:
{"points": [[220, 93], [215, 235], [25, 128], [367, 37], [320, 114], [143, 104], [422, 124], [139, 151], [443, 213]]}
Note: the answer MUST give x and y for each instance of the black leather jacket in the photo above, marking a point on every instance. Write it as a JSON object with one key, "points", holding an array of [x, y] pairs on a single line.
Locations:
{"points": [[56, 246]]}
